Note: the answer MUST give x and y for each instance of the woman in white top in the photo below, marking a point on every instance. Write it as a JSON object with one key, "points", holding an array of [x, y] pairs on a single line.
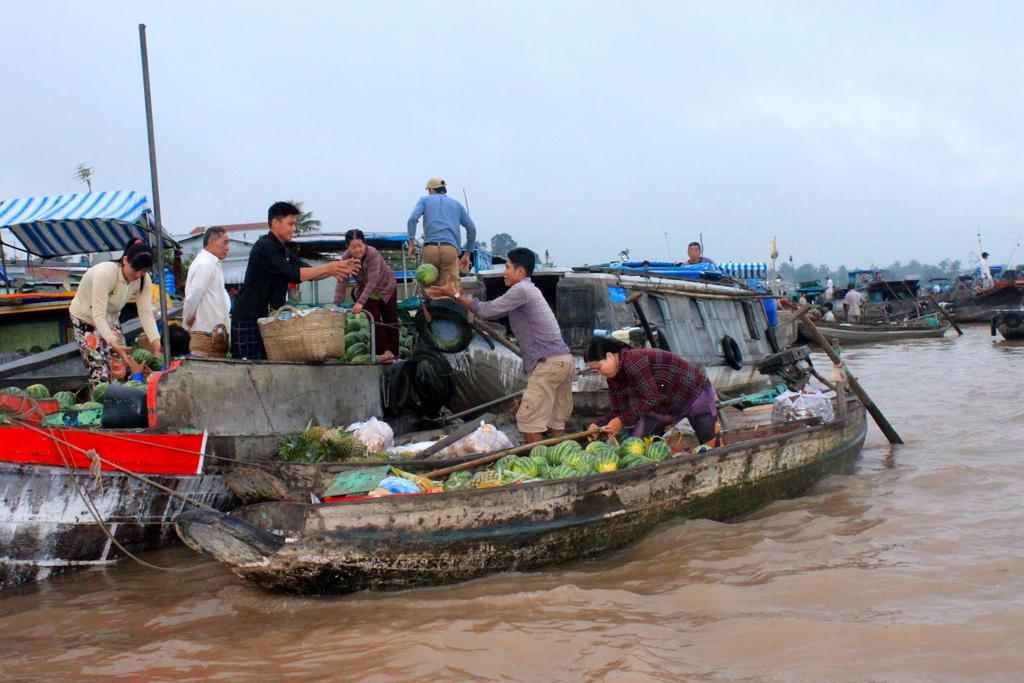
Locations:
{"points": [[96, 309]]}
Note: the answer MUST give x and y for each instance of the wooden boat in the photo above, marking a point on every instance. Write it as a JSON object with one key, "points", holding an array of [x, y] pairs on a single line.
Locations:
{"points": [[46, 525], [398, 542], [968, 306], [868, 333], [1009, 324]]}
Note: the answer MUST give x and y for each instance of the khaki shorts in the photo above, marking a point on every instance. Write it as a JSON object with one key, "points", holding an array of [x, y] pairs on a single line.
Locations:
{"points": [[446, 258], [547, 403]]}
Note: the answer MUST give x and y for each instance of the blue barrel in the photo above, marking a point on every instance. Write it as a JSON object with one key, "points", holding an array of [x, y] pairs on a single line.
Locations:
{"points": [[771, 309]]}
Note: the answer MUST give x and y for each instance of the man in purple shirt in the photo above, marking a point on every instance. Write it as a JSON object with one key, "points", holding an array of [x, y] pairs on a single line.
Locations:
{"points": [[547, 403]]}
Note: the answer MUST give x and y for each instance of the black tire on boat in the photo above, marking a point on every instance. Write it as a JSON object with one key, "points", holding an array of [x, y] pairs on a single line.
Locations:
{"points": [[733, 355], [773, 340], [448, 330], [396, 387]]}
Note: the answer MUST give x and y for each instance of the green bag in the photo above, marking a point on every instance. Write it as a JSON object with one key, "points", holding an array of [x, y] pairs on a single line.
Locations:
{"points": [[356, 482]]}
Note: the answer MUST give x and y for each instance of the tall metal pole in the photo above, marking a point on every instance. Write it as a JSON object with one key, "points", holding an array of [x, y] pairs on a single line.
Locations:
{"points": [[166, 342]]}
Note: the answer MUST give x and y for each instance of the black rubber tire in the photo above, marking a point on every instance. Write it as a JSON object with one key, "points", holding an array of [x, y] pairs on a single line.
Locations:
{"points": [[773, 340], [733, 354], [396, 389], [431, 381], [445, 312]]}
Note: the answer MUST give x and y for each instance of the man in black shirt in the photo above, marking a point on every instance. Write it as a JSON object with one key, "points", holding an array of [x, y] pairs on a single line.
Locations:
{"points": [[272, 267]]}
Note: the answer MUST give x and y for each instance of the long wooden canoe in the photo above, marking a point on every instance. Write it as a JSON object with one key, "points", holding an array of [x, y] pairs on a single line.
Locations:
{"points": [[867, 333], [399, 542]]}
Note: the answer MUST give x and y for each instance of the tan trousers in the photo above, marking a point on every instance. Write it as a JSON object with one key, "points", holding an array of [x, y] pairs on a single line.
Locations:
{"points": [[446, 259], [547, 403]]}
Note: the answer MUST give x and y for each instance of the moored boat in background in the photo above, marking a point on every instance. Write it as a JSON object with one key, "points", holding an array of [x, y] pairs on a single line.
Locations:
{"points": [[1008, 323]]}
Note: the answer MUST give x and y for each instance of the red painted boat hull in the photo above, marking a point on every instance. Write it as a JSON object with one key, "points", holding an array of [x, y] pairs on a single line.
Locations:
{"points": [[138, 452]]}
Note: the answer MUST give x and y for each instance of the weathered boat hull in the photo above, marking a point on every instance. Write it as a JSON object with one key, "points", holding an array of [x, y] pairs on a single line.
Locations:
{"points": [[46, 527], [405, 541], [968, 307], [869, 334]]}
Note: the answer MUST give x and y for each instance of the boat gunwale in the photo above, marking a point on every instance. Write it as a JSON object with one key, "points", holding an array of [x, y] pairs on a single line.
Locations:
{"points": [[606, 479]]}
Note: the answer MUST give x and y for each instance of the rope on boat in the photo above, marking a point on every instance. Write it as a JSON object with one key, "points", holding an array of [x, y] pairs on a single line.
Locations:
{"points": [[94, 469]]}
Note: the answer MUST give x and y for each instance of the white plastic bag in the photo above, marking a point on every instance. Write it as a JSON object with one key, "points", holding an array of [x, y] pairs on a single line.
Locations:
{"points": [[484, 439], [375, 434], [797, 405]]}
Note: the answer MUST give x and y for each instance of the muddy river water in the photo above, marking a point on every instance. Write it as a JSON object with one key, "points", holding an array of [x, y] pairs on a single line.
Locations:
{"points": [[909, 569]]}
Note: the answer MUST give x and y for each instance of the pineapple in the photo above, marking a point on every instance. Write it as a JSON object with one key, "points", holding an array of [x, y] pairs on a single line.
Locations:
{"points": [[314, 432], [344, 445], [294, 449], [485, 479]]}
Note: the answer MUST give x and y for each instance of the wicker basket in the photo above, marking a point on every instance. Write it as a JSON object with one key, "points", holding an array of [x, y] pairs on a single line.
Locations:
{"points": [[210, 344], [318, 335]]}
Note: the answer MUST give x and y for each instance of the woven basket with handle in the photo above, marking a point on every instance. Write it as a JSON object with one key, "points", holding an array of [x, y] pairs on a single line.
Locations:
{"points": [[210, 344], [317, 335]]}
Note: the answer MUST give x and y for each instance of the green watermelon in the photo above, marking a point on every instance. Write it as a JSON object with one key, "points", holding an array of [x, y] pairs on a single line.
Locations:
{"points": [[141, 356], [13, 391], [354, 323], [562, 450], [539, 451], [426, 274], [607, 462], [38, 391], [634, 445], [357, 349], [155, 363], [659, 450], [562, 472], [99, 391], [543, 468], [362, 358], [132, 383], [65, 399], [632, 461], [352, 338], [506, 462], [597, 447], [524, 467], [91, 405], [576, 458]]}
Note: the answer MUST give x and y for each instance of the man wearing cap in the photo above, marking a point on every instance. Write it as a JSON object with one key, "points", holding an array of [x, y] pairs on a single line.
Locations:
{"points": [[442, 217]]}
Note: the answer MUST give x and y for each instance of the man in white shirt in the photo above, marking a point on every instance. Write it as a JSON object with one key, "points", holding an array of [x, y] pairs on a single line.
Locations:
{"points": [[987, 282], [852, 303], [206, 301], [830, 290]]}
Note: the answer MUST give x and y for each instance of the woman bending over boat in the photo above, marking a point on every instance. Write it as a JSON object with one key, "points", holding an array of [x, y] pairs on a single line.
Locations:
{"points": [[96, 309], [652, 390], [376, 291]]}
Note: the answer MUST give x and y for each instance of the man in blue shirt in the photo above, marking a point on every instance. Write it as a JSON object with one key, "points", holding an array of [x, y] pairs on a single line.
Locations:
{"points": [[442, 217]]}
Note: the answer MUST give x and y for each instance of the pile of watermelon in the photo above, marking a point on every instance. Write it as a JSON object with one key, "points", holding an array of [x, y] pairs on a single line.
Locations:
{"points": [[567, 459], [357, 340], [69, 410]]}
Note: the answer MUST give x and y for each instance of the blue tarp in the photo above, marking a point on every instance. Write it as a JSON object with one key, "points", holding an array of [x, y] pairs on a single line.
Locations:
{"points": [[705, 271], [83, 223]]}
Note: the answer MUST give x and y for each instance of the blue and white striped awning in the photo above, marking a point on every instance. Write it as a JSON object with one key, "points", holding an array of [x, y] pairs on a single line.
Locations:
{"points": [[83, 223], [744, 271]]}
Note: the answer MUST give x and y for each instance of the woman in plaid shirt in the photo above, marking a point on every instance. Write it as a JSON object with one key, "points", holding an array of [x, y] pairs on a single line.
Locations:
{"points": [[652, 390]]}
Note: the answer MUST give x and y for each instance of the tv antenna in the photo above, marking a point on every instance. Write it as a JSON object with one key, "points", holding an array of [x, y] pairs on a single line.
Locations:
{"points": [[84, 175]]}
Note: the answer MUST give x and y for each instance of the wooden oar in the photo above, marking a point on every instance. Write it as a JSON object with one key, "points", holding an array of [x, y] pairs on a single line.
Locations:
{"points": [[488, 459], [820, 340], [945, 315]]}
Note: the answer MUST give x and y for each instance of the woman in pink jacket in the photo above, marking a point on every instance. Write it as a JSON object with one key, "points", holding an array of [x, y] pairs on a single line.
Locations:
{"points": [[376, 292]]}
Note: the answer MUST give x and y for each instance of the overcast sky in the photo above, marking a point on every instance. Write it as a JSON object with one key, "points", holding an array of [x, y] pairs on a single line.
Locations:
{"points": [[855, 132]]}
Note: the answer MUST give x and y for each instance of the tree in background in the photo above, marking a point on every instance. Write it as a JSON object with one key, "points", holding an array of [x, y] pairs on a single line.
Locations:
{"points": [[306, 222], [502, 243]]}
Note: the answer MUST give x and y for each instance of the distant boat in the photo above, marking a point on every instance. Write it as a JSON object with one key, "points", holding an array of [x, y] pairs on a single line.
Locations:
{"points": [[867, 333]]}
